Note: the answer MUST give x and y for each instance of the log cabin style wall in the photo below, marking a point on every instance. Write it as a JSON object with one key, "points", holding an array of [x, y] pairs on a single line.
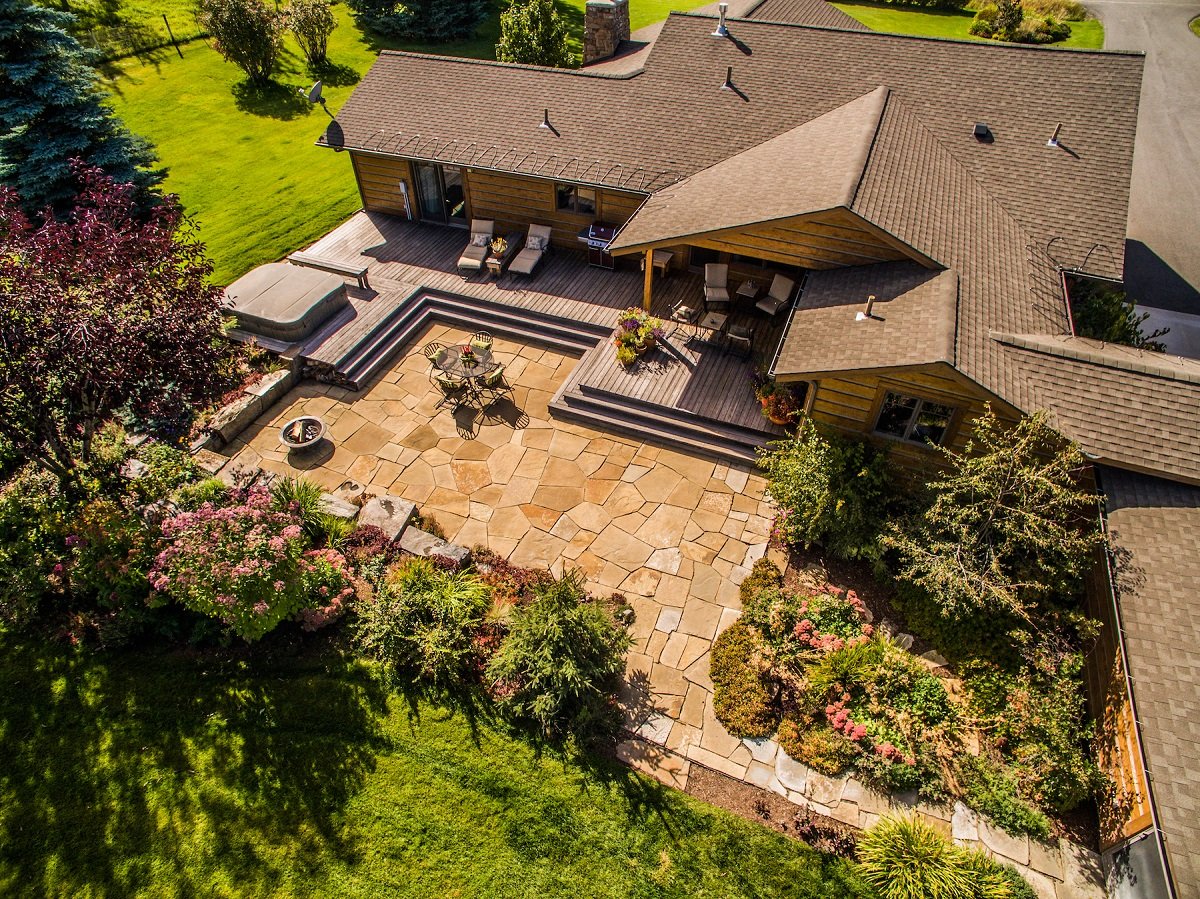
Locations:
{"points": [[379, 180], [850, 402]]}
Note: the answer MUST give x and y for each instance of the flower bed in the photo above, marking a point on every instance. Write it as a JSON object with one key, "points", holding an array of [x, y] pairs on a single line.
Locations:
{"points": [[636, 333]]}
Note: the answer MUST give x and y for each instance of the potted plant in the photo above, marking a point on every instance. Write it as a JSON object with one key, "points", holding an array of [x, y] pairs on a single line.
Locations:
{"points": [[636, 333], [499, 247], [779, 403]]}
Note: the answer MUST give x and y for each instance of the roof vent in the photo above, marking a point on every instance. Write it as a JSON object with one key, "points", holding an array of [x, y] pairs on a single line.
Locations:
{"points": [[545, 124], [728, 85], [983, 133], [1053, 142], [722, 31], [866, 314]]}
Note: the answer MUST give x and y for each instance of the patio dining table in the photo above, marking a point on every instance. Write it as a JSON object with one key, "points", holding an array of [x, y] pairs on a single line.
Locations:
{"points": [[478, 364]]}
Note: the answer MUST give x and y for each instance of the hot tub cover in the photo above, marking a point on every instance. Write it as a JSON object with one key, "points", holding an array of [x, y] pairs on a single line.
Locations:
{"points": [[283, 301]]}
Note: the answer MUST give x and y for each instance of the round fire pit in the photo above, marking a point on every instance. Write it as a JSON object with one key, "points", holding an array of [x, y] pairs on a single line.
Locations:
{"points": [[302, 433]]}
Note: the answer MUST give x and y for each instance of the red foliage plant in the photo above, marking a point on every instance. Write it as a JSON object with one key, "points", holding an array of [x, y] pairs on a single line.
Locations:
{"points": [[102, 309]]}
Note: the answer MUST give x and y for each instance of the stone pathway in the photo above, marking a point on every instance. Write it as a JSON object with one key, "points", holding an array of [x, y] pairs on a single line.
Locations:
{"points": [[674, 533]]}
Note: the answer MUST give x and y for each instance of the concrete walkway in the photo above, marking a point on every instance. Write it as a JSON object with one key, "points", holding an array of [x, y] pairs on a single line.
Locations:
{"points": [[1162, 255]]}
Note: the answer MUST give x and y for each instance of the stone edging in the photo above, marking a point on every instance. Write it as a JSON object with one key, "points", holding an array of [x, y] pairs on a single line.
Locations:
{"points": [[1060, 870]]}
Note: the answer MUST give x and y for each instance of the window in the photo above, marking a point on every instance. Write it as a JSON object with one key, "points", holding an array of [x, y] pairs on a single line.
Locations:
{"points": [[573, 198], [909, 418]]}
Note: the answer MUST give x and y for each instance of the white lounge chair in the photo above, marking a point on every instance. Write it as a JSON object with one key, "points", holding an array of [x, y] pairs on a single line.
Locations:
{"points": [[716, 287], [537, 245], [479, 246], [778, 296]]}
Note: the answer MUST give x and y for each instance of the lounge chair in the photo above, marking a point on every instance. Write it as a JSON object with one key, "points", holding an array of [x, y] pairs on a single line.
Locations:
{"points": [[778, 296], [716, 287], [537, 245], [480, 245]]}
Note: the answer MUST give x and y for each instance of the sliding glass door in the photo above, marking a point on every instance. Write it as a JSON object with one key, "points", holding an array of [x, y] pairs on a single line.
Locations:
{"points": [[441, 194]]}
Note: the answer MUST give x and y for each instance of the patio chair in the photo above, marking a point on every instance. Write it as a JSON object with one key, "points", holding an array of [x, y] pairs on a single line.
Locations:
{"points": [[481, 340], [779, 296], [684, 314], [452, 390], [479, 246], [492, 385], [716, 287], [537, 245], [741, 340]]}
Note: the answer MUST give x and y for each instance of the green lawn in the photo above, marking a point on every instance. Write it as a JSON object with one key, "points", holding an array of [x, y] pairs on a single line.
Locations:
{"points": [[951, 24], [170, 775], [244, 164]]}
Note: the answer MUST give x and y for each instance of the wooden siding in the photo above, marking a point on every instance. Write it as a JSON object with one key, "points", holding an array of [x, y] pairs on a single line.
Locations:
{"points": [[1118, 749], [379, 182], [834, 238], [850, 403], [514, 203]]}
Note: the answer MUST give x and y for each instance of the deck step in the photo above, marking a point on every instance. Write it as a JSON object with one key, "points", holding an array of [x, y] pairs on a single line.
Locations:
{"points": [[675, 431], [400, 327]]}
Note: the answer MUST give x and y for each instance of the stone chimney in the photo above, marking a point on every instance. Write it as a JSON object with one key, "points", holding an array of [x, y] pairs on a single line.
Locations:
{"points": [[605, 25]]}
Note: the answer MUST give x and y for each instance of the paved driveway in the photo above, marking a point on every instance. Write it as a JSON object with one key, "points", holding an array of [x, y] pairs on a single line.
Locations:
{"points": [[1162, 263]]}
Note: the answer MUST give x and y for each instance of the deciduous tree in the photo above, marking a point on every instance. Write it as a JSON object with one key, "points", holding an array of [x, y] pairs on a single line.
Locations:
{"points": [[52, 112], [1009, 527], [245, 32], [100, 310], [311, 21], [532, 32]]}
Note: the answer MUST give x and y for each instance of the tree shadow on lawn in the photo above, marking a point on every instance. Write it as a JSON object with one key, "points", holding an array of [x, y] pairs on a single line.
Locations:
{"points": [[129, 771]]}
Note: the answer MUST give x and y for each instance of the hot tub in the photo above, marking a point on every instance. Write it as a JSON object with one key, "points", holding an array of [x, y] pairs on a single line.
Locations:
{"points": [[285, 302]]}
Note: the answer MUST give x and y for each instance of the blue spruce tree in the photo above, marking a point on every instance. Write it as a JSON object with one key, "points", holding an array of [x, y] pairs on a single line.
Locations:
{"points": [[51, 112]]}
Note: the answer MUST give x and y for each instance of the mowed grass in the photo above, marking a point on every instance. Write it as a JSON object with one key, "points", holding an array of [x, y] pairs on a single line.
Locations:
{"points": [[952, 23], [295, 774], [243, 162]]}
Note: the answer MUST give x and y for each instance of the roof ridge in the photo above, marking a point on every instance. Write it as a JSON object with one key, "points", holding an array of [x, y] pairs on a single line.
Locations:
{"points": [[1003, 45], [1100, 353], [583, 72], [870, 147]]}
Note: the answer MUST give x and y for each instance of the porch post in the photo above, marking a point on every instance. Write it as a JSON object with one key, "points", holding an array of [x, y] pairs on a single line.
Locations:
{"points": [[649, 283]]}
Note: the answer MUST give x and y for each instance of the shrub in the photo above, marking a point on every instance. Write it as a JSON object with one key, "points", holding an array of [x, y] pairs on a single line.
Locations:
{"points": [[370, 551], [167, 470], [820, 746], [988, 789], [245, 32], [422, 622], [509, 583], [191, 497], [561, 663], [829, 491], [33, 525], [905, 858], [764, 576], [1037, 716], [324, 576], [796, 625], [111, 555], [311, 21], [741, 700], [240, 564], [532, 32]]}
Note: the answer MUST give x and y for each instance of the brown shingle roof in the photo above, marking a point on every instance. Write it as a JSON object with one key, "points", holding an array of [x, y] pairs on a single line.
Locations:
{"points": [[1155, 527], [1131, 408], [824, 160], [913, 321], [651, 129], [805, 12]]}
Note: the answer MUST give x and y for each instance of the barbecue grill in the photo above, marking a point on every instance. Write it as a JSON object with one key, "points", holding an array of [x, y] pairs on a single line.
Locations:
{"points": [[598, 236]]}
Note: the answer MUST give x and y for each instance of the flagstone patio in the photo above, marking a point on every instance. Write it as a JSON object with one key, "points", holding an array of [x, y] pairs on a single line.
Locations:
{"points": [[674, 533]]}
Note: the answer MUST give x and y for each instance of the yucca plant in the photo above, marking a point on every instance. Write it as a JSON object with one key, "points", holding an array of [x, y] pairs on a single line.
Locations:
{"points": [[905, 858]]}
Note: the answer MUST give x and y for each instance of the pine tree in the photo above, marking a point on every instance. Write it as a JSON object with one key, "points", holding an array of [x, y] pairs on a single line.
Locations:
{"points": [[433, 21], [51, 112], [532, 32]]}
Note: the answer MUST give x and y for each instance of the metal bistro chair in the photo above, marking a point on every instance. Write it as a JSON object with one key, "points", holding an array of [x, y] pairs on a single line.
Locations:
{"points": [[493, 386], [452, 390], [741, 340], [480, 340], [432, 351], [684, 314]]}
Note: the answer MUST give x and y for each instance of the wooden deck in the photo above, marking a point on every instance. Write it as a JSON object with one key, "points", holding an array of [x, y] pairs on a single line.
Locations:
{"points": [[406, 258]]}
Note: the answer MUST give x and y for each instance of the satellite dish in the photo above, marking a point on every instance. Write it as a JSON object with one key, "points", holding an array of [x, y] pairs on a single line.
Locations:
{"points": [[314, 94]]}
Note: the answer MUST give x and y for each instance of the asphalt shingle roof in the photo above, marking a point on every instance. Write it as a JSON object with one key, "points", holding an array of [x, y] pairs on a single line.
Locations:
{"points": [[804, 12], [1155, 528]]}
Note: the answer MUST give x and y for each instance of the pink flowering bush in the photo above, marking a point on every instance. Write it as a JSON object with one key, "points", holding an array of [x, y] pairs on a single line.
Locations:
{"points": [[245, 564], [797, 625]]}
